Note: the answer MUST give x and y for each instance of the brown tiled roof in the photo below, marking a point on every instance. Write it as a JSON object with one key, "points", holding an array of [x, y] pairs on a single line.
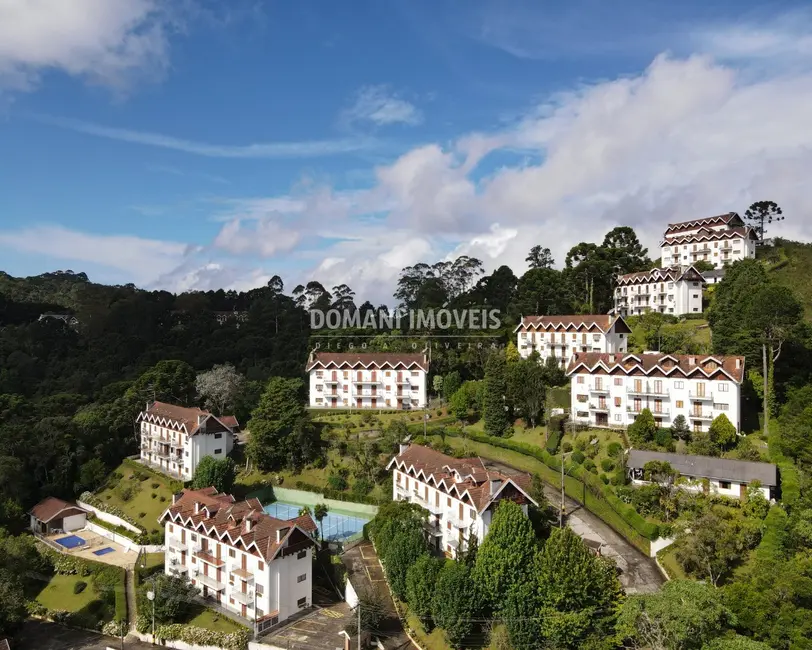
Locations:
{"points": [[181, 416], [669, 274], [705, 221], [457, 476], [230, 421], [49, 508], [656, 363], [708, 235], [603, 322], [220, 516], [392, 360]]}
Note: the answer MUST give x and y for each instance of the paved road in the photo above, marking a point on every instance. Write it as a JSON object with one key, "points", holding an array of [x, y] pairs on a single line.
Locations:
{"points": [[638, 572], [40, 635]]}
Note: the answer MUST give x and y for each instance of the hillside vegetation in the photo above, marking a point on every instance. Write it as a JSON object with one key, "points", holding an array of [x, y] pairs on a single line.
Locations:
{"points": [[790, 264]]}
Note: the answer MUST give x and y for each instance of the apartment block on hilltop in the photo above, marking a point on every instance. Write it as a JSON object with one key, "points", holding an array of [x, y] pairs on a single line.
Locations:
{"points": [[611, 390], [562, 336], [719, 240], [174, 439], [461, 495], [383, 380], [675, 291], [250, 563]]}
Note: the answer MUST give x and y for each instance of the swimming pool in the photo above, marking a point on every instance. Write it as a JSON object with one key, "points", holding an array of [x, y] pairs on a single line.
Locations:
{"points": [[71, 541], [104, 551], [336, 526]]}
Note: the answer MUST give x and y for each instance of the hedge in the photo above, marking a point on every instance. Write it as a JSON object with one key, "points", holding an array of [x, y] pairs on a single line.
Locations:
{"points": [[339, 495], [789, 478], [596, 487], [201, 636], [119, 530], [774, 535], [553, 441]]}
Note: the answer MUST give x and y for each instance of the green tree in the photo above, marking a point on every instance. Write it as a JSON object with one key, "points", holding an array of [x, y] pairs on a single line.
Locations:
{"points": [[12, 604], [467, 401], [755, 504], [680, 429], [661, 474], [506, 555], [539, 291], [682, 615], [437, 384], [211, 472], [735, 642], [373, 611], [451, 384], [643, 429], [703, 266], [320, 512], [455, 602], [540, 258], [527, 389], [401, 553], [494, 407], [394, 519], [554, 374], [512, 353], [421, 580], [722, 432], [92, 474], [220, 387], [174, 597], [762, 213], [305, 510]]}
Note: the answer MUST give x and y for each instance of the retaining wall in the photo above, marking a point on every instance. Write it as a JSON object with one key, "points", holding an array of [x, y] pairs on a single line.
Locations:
{"points": [[110, 519], [659, 544], [126, 542], [177, 643]]}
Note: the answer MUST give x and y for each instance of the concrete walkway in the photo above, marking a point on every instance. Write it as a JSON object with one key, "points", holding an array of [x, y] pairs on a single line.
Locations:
{"points": [[131, 600], [638, 573]]}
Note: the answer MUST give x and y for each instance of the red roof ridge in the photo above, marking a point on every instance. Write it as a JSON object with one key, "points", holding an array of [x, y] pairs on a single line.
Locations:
{"points": [[648, 362]]}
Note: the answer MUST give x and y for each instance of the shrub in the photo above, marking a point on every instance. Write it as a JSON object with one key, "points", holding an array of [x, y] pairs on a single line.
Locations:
{"points": [[580, 444], [337, 482], [614, 448], [604, 478], [141, 515], [553, 441], [607, 465], [578, 457], [556, 424], [566, 447], [125, 493], [79, 587], [362, 486], [107, 496], [155, 485], [663, 438], [162, 498], [589, 465], [154, 495]]}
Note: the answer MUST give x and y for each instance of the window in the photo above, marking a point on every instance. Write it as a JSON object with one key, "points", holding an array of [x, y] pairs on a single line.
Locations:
{"points": [[617, 401], [415, 373], [346, 374], [580, 379], [261, 567], [170, 528], [194, 537], [319, 387], [319, 400], [617, 417], [720, 407], [582, 398], [301, 555], [680, 404], [260, 589], [723, 387], [724, 485], [217, 436], [301, 578], [618, 381], [679, 384], [596, 337], [218, 451], [388, 374], [696, 309], [319, 374], [232, 553]]}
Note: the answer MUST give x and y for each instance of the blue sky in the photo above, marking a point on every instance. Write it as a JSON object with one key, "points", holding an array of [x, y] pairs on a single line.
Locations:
{"points": [[184, 145]]}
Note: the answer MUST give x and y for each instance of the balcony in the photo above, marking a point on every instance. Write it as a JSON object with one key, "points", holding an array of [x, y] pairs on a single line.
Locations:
{"points": [[456, 522], [367, 382], [433, 528], [176, 545], [701, 397], [599, 408], [163, 455], [243, 574], [599, 390], [404, 381], [203, 556], [208, 581], [700, 415], [646, 391], [330, 382], [244, 598], [662, 413]]}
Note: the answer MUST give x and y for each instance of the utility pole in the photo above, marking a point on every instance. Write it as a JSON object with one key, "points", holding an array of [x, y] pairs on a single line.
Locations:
{"points": [[359, 625]]}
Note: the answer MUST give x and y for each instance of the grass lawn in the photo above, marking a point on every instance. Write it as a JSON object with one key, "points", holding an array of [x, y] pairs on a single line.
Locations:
{"points": [[141, 500], [605, 437], [435, 640], [154, 560], [211, 620], [370, 419], [668, 560], [58, 593]]}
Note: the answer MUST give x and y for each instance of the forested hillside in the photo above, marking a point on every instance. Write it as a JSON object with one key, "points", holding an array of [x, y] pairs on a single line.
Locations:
{"points": [[790, 264]]}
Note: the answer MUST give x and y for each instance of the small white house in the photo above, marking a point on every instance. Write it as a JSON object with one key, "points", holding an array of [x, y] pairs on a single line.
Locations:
{"points": [[724, 476], [54, 515]]}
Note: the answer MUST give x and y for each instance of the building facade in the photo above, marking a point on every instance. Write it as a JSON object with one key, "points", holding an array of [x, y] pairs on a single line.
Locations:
{"points": [[174, 439], [611, 390], [723, 476], [52, 515], [719, 240], [675, 291], [368, 380], [562, 336], [461, 495], [252, 564]]}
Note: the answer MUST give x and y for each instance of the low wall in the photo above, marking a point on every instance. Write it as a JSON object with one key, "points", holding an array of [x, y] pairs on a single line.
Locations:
{"points": [[176, 643], [304, 498], [126, 542], [110, 519], [659, 544]]}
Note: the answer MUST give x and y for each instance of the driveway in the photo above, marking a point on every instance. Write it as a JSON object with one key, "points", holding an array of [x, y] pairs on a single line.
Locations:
{"points": [[41, 635], [639, 573]]}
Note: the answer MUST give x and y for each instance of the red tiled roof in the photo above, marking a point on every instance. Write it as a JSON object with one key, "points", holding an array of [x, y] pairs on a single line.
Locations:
{"points": [[705, 221], [656, 363], [49, 508], [457, 475], [181, 416], [230, 421], [603, 322], [708, 235], [365, 360], [671, 274], [232, 522]]}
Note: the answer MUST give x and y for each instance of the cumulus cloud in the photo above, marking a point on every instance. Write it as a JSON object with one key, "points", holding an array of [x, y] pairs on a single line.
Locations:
{"points": [[380, 106], [104, 41]]}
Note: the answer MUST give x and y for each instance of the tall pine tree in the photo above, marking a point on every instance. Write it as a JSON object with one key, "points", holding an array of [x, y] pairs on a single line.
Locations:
{"points": [[494, 407]]}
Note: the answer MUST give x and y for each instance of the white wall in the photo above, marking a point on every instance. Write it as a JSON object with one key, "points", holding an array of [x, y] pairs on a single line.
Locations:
{"points": [[721, 253], [74, 522], [413, 390], [682, 297], [659, 544], [128, 544], [350, 594], [110, 519], [564, 343], [182, 645]]}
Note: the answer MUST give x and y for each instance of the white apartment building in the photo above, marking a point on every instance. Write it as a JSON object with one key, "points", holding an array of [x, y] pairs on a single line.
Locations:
{"points": [[723, 476], [461, 495], [252, 564], [720, 240], [563, 336], [611, 390], [676, 291], [174, 439], [368, 380]]}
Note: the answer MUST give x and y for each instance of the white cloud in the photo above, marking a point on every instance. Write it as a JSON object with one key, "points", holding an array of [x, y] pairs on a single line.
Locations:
{"points": [[377, 104], [265, 237], [140, 259], [256, 150], [104, 41]]}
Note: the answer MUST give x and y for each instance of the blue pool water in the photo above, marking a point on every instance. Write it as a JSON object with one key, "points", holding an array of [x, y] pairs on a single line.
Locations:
{"points": [[103, 551], [334, 527], [71, 541]]}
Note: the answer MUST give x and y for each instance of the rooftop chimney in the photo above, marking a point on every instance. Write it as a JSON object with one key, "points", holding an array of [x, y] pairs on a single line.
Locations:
{"points": [[738, 363], [197, 508], [403, 446], [691, 361], [611, 358], [496, 483], [280, 534], [248, 524]]}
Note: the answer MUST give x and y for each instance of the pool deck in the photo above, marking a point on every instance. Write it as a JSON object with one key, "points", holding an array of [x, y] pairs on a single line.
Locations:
{"points": [[119, 557]]}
